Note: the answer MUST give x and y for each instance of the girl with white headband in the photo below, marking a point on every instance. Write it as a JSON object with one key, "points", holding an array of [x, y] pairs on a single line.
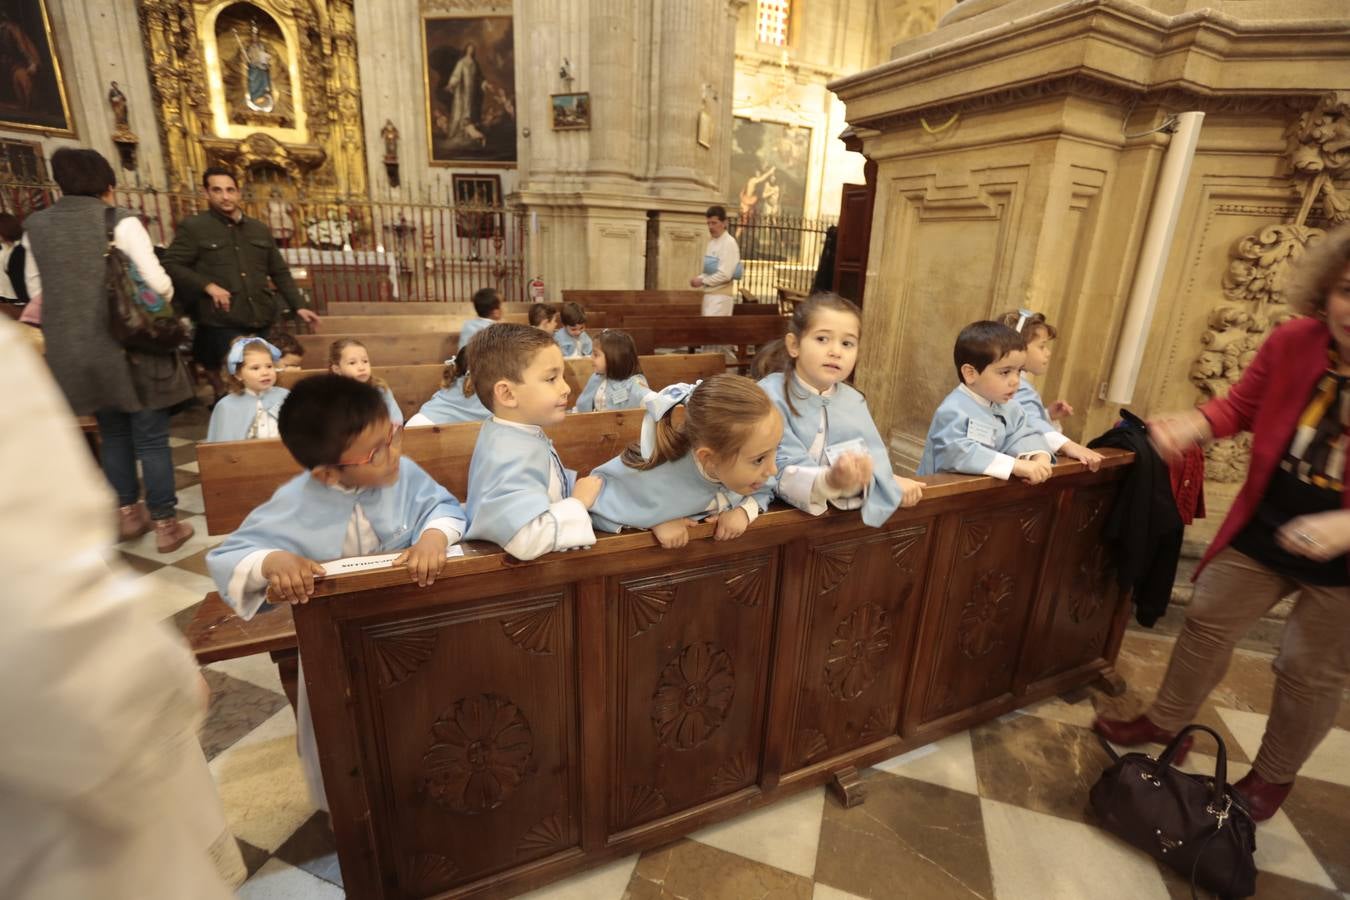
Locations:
{"points": [[251, 407]]}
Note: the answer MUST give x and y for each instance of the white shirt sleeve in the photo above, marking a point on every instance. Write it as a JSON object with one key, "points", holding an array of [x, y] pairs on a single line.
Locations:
{"points": [[1000, 466], [132, 239], [566, 525], [248, 587], [751, 507], [448, 527], [1055, 439], [416, 420], [32, 280], [728, 255]]}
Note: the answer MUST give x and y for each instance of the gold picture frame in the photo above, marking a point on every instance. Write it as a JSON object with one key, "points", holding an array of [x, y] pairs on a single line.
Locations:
{"points": [[470, 94], [36, 101], [570, 112]]}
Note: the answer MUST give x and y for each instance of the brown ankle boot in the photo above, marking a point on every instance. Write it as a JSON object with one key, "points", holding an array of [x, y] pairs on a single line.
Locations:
{"points": [[132, 521], [170, 534]]}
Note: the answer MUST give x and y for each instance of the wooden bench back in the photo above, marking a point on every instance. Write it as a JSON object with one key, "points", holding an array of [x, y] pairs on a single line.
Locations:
{"points": [[414, 385], [589, 298], [399, 349], [616, 313], [465, 308], [238, 476], [339, 325], [740, 330]]}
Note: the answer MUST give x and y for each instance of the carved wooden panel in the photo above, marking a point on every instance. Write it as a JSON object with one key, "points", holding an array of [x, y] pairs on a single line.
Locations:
{"points": [[1082, 589], [982, 607], [856, 644], [691, 657], [475, 723]]}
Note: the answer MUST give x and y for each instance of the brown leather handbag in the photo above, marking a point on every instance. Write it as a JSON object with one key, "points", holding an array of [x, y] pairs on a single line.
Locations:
{"points": [[1195, 824]]}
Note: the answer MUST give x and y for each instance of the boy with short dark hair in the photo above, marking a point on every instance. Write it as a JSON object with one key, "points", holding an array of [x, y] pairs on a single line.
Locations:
{"points": [[572, 337], [544, 316], [978, 430], [487, 304], [520, 495], [358, 497]]}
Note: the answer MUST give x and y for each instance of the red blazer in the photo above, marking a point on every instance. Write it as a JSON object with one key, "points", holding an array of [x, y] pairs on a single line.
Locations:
{"points": [[1267, 401]]}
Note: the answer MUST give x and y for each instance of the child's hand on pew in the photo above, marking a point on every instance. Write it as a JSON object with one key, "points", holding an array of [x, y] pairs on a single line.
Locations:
{"points": [[1034, 470], [587, 490], [289, 576], [851, 472], [911, 491], [674, 533], [425, 558], [1090, 458], [730, 524]]}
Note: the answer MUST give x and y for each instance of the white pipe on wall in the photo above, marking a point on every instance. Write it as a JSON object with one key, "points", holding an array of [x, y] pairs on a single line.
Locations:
{"points": [[1157, 244]]}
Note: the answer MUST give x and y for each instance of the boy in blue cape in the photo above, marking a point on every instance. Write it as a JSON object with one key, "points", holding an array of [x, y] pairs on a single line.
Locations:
{"points": [[487, 304], [521, 497], [358, 497], [978, 430]]}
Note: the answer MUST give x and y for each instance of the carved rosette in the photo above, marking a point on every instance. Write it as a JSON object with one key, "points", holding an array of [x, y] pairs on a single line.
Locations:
{"points": [[984, 618], [481, 753], [858, 651], [693, 695]]}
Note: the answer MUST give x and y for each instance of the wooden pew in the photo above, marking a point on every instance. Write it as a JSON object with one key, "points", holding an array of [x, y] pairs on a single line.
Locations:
{"points": [[399, 349], [338, 325], [616, 313], [742, 332], [414, 385], [597, 298], [625, 695], [360, 308]]}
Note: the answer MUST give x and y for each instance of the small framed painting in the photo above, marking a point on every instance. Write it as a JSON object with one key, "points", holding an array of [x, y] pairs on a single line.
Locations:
{"points": [[571, 112], [32, 91], [478, 205]]}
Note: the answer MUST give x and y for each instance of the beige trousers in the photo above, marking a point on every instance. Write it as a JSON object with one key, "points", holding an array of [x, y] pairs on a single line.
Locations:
{"points": [[1311, 670]]}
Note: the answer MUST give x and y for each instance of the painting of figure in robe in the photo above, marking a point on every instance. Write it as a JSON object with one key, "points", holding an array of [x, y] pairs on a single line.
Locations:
{"points": [[471, 89], [32, 93], [768, 178], [254, 65]]}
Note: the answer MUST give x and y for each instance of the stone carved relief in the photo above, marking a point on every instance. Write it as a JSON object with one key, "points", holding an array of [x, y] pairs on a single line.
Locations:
{"points": [[481, 752], [399, 656], [693, 695], [858, 651], [984, 618], [1318, 152]]}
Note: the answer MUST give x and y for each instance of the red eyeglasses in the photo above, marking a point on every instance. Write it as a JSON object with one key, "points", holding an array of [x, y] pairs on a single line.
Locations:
{"points": [[380, 454]]}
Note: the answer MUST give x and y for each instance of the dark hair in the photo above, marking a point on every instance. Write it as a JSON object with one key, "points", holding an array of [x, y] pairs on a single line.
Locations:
{"points": [[541, 313], [323, 415], [771, 357], [81, 172], [799, 323], [217, 170], [485, 300], [11, 229], [573, 313], [458, 367], [716, 212], [286, 343], [720, 414], [621, 356], [1316, 271], [503, 352], [981, 343], [1029, 325]]}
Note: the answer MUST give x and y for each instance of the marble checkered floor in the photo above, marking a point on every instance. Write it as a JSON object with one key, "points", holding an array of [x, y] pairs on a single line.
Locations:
{"points": [[998, 811]]}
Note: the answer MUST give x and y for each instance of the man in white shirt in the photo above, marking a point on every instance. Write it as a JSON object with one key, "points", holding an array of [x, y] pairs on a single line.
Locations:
{"points": [[720, 261]]}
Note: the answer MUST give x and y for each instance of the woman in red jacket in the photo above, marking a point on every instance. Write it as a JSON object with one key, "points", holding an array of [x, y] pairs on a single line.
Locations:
{"points": [[1288, 530]]}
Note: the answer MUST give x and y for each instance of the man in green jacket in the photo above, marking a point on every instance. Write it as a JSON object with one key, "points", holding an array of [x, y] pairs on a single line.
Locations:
{"points": [[223, 260]]}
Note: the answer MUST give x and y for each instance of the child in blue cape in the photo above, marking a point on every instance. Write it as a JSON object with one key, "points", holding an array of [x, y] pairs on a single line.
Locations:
{"points": [[572, 337], [521, 497], [618, 382], [456, 401], [487, 304], [719, 463], [250, 409], [831, 453], [349, 357], [1038, 334], [357, 497], [978, 429]]}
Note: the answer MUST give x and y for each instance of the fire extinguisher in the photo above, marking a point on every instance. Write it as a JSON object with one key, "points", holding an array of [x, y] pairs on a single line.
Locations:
{"points": [[537, 289]]}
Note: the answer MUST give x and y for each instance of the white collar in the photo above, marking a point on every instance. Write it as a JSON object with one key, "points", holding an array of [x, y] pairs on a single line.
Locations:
{"points": [[810, 389], [529, 429], [252, 393], [987, 404], [704, 474]]}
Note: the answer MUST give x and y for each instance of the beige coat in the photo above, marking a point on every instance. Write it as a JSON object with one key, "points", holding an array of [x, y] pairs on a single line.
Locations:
{"points": [[104, 792]]}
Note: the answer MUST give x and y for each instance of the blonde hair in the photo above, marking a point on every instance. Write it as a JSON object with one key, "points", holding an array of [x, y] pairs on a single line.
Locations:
{"points": [[1314, 273], [335, 359], [1029, 324], [232, 381], [719, 415]]}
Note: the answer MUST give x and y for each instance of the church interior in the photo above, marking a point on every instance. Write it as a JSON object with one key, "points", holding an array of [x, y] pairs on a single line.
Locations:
{"points": [[823, 707]]}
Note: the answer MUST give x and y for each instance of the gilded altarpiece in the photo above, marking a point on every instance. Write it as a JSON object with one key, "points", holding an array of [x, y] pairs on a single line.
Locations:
{"points": [[267, 88]]}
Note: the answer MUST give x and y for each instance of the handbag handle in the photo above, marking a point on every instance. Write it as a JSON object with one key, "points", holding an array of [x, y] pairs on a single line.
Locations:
{"points": [[1220, 764], [110, 224]]}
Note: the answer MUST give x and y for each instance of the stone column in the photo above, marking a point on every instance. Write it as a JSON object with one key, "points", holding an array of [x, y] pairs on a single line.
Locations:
{"points": [[1017, 150]]}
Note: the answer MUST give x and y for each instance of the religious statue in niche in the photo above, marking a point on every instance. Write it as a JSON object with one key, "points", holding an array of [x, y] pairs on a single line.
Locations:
{"points": [[389, 134], [470, 77], [254, 67], [122, 135]]}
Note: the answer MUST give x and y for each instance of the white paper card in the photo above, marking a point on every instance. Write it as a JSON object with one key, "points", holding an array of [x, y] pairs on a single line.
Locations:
{"points": [[980, 432], [834, 451], [379, 561]]}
